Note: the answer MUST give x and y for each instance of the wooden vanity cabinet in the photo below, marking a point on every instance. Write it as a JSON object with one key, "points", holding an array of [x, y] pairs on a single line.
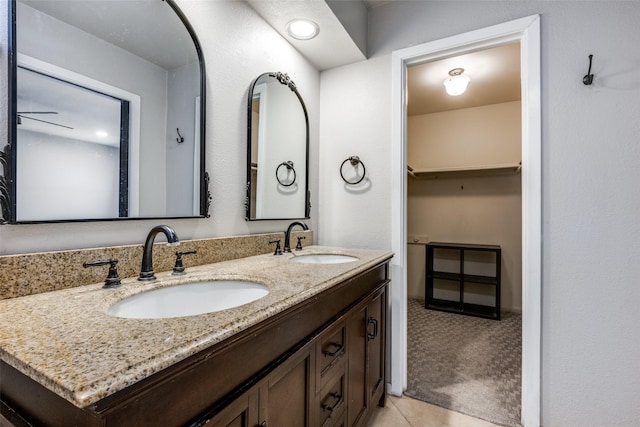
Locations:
{"points": [[334, 381], [286, 393], [320, 363]]}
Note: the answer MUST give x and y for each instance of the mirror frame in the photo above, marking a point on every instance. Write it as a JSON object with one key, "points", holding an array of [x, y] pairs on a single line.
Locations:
{"points": [[8, 159], [283, 79]]}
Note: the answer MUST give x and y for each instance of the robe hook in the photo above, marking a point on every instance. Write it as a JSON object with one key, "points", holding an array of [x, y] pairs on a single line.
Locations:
{"points": [[588, 78], [180, 138]]}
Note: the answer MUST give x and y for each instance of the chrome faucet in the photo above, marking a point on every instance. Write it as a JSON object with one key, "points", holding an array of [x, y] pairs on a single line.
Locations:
{"points": [[146, 272], [287, 234]]}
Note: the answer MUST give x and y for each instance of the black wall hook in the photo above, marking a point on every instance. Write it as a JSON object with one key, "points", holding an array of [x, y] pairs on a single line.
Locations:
{"points": [[180, 137], [588, 79]]}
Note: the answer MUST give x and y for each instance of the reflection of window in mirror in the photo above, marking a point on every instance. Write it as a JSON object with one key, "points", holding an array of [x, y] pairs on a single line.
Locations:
{"points": [[258, 137], [72, 150], [255, 132], [99, 49]]}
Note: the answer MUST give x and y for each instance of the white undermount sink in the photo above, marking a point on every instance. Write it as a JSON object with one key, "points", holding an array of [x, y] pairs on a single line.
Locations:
{"points": [[324, 259], [189, 299]]}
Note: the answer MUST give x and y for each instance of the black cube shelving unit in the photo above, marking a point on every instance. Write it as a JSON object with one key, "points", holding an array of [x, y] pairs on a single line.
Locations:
{"points": [[460, 277]]}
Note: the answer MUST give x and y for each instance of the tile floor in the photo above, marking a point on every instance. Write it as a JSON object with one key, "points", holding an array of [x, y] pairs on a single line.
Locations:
{"points": [[407, 412]]}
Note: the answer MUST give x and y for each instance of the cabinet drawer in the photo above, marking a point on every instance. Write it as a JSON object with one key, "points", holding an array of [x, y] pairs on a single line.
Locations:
{"points": [[330, 353], [331, 401]]}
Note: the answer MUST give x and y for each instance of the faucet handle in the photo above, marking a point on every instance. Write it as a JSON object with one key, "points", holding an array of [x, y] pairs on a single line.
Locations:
{"points": [[178, 269], [278, 249], [112, 280], [299, 245]]}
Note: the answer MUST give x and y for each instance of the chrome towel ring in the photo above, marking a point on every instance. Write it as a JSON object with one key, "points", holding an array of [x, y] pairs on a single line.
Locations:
{"points": [[354, 160], [289, 165]]}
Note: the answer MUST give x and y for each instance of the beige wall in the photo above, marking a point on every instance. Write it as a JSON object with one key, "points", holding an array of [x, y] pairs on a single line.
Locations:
{"points": [[477, 209], [490, 135], [468, 210]]}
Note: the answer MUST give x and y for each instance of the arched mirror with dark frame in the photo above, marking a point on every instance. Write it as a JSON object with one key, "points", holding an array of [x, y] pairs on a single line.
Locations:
{"points": [[277, 150], [106, 113]]}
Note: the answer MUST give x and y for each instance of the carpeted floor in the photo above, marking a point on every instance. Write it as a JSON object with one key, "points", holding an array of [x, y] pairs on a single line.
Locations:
{"points": [[467, 364]]}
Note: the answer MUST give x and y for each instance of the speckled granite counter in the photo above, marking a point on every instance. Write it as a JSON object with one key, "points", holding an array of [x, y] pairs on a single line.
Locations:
{"points": [[66, 340]]}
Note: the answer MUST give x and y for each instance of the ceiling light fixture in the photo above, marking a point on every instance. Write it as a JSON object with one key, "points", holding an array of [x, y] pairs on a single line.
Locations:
{"points": [[302, 29], [101, 134], [457, 83]]}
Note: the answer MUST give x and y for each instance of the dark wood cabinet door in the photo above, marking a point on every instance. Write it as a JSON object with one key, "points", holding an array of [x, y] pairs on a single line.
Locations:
{"points": [[366, 346], [357, 363], [376, 347], [285, 395], [242, 412]]}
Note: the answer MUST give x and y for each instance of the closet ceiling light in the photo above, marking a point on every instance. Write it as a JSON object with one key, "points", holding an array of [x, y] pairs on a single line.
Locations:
{"points": [[456, 84], [302, 29]]}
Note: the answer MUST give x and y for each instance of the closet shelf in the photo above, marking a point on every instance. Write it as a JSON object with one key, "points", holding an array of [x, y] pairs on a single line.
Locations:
{"points": [[471, 278], [481, 170]]}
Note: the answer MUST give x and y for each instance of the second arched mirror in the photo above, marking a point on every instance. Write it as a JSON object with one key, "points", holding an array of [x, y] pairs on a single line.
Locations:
{"points": [[277, 150]]}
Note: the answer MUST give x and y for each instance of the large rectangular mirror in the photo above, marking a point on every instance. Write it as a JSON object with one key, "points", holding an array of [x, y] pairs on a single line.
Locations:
{"points": [[106, 113], [277, 150]]}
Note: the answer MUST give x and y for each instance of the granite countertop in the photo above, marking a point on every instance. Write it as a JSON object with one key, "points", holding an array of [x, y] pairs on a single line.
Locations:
{"points": [[66, 340]]}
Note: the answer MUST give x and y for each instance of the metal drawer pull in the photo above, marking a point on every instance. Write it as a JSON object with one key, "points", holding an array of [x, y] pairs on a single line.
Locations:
{"points": [[338, 398], [373, 321], [338, 349]]}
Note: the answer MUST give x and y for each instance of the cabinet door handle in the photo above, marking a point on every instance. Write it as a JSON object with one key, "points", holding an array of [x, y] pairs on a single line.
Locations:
{"points": [[374, 322], [338, 349], [330, 408]]}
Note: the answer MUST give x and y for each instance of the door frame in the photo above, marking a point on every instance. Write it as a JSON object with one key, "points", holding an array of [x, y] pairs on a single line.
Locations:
{"points": [[527, 31]]}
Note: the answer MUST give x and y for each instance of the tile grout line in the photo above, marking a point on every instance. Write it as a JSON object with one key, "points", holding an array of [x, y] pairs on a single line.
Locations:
{"points": [[400, 412]]}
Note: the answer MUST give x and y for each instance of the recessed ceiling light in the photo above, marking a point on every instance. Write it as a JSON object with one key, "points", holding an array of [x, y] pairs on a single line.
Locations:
{"points": [[102, 134], [302, 29]]}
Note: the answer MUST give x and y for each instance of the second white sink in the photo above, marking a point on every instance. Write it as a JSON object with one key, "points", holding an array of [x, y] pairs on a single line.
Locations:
{"points": [[189, 299]]}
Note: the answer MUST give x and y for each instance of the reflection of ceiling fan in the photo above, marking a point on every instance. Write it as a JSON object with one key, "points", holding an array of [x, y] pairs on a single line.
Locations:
{"points": [[21, 115]]}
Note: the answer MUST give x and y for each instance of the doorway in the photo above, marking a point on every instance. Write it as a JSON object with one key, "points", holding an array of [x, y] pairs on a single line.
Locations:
{"points": [[464, 234], [527, 32]]}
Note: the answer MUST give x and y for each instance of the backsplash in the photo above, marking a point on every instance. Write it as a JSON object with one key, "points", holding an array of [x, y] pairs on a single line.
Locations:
{"points": [[35, 273]]}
